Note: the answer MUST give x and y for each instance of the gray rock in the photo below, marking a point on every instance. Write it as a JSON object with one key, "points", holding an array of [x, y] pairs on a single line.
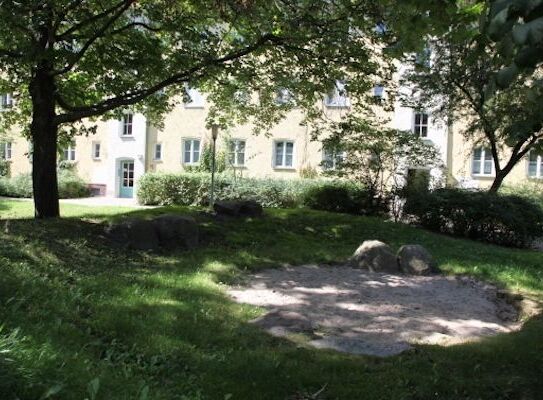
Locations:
{"points": [[416, 260], [138, 234], [176, 231], [375, 256], [238, 208]]}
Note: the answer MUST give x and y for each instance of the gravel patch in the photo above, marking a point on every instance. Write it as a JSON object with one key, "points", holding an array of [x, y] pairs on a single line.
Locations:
{"points": [[360, 312]]}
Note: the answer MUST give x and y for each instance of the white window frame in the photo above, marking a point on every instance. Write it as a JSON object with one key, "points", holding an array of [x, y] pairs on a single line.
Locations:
{"points": [[234, 152], [484, 152], [335, 159], [68, 153], [418, 128], [7, 151], [192, 152], [283, 96], [539, 165], [337, 97], [6, 101], [158, 146], [283, 165], [197, 99], [94, 145], [127, 125]]}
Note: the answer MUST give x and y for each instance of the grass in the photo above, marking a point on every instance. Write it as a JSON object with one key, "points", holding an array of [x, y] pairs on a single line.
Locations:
{"points": [[81, 319]]}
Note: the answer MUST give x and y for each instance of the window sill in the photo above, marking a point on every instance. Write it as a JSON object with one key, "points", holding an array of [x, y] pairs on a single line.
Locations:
{"points": [[157, 160], [288, 169], [127, 137], [188, 107], [334, 106], [481, 176], [96, 159]]}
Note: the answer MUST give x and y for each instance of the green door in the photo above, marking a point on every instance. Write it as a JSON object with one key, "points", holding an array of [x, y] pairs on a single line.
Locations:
{"points": [[127, 179]]}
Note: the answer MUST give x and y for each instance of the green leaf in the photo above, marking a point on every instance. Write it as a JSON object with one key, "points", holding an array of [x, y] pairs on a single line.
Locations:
{"points": [[93, 387], [506, 76], [51, 392]]}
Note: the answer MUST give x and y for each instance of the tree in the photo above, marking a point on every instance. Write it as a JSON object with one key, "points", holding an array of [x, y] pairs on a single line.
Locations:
{"points": [[465, 81], [72, 60], [379, 158]]}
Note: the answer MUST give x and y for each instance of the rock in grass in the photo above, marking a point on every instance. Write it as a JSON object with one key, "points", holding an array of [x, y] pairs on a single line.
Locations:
{"points": [[137, 234], [176, 231], [414, 259], [375, 256], [238, 208]]}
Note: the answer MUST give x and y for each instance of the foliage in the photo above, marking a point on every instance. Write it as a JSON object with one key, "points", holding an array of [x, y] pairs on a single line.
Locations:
{"points": [[517, 27], [4, 168], [69, 184], [459, 84], [163, 321], [206, 160], [502, 219], [379, 158], [193, 189], [531, 190], [345, 197]]}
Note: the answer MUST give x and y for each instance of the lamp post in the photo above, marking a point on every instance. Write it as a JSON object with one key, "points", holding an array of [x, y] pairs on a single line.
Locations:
{"points": [[214, 134]]}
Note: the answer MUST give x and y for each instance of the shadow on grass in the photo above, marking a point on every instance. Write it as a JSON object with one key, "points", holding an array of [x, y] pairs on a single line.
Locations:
{"points": [[85, 309]]}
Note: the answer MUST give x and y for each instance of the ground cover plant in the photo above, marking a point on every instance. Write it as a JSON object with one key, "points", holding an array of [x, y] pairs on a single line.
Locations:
{"points": [[82, 319]]}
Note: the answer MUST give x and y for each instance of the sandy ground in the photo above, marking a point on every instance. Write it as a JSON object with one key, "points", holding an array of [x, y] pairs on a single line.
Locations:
{"points": [[360, 312]]}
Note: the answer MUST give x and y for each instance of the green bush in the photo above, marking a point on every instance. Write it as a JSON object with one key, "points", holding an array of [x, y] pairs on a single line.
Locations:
{"points": [[345, 197], [4, 168], [532, 190], [502, 219], [192, 189], [69, 186]]}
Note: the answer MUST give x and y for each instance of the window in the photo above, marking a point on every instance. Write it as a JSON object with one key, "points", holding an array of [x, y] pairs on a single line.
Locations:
{"points": [[69, 152], [194, 98], [191, 151], [96, 150], [535, 165], [482, 163], [6, 101], [423, 58], [283, 96], [5, 151], [337, 97], [128, 124], [420, 127], [237, 152], [332, 157], [284, 154], [378, 91], [158, 152]]}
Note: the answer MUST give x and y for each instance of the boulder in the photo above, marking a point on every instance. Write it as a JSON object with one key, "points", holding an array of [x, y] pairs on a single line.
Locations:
{"points": [[375, 256], [414, 259], [238, 208], [176, 231], [137, 234]]}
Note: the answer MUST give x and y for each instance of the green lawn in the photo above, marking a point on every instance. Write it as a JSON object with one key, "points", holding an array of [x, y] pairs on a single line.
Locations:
{"points": [[81, 319]]}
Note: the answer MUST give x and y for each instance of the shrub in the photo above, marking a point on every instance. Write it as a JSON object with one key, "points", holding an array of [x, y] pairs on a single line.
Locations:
{"points": [[532, 190], [502, 219], [69, 185], [345, 197], [192, 189], [4, 168]]}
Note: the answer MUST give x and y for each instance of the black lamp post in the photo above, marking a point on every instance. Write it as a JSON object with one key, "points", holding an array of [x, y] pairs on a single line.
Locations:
{"points": [[214, 135]]}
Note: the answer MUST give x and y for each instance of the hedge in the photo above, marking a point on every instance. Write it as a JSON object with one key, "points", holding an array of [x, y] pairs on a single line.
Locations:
{"points": [[501, 219], [192, 189], [69, 185]]}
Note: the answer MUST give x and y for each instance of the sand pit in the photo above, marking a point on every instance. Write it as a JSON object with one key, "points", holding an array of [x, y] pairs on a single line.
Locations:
{"points": [[360, 312]]}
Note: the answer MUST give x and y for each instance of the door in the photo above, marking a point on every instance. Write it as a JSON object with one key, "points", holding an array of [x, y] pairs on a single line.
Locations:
{"points": [[127, 179]]}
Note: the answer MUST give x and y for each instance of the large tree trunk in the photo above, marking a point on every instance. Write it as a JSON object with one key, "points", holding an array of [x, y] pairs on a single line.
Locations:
{"points": [[498, 180], [44, 133]]}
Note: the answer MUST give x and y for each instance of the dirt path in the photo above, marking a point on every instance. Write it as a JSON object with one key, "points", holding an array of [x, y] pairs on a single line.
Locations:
{"points": [[359, 312]]}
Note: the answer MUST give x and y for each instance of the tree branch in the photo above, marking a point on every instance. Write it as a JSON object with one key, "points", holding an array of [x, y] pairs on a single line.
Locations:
{"points": [[79, 55], [76, 113], [94, 18]]}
